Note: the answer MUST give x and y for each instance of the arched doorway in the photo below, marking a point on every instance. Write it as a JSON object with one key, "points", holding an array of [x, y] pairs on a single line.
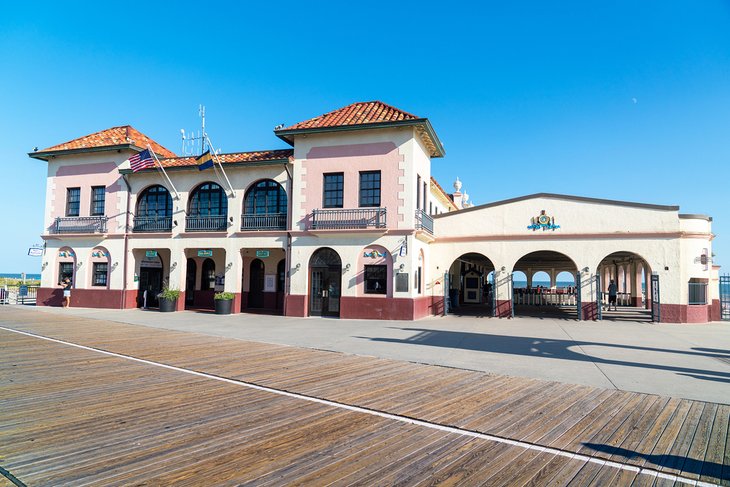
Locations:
{"points": [[631, 275], [150, 279], [547, 288], [256, 284], [190, 275], [471, 285], [325, 283]]}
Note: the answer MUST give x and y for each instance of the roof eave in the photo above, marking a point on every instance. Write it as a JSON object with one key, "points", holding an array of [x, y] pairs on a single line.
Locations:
{"points": [[287, 135], [270, 162], [45, 155]]}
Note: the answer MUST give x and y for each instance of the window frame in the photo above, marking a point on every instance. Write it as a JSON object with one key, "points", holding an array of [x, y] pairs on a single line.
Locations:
{"points": [[265, 197], [371, 193], [368, 270], [61, 274], [95, 274], [206, 198], [70, 202], [338, 192], [94, 201]]}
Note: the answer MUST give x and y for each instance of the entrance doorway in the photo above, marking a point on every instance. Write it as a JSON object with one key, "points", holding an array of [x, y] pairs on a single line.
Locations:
{"points": [[544, 284], [626, 290], [150, 280], [325, 283], [256, 284], [190, 275], [471, 288]]}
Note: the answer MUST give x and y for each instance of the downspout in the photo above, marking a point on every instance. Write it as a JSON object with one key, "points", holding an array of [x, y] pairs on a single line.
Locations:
{"points": [[289, 223], [126, 244]]}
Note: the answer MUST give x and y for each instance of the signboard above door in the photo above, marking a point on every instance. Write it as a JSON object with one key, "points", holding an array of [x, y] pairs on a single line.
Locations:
{"points": [[205, 253], [262, 254]]}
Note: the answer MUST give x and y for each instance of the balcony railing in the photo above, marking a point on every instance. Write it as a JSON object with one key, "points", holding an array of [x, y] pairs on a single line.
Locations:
{"points": [[339, 219], [212, 223], [275, 221], [80, 224], [424, 221], [152, 224]]}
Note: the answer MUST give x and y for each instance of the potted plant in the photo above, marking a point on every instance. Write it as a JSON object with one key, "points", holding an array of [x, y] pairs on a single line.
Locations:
{"points": [[223, 303], [168, 299]]}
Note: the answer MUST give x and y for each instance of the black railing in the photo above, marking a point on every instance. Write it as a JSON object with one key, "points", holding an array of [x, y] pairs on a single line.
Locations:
{"points": [[80, 224], [697, 293], [348, 218], [424, 221], [275, 221], [152, 224], [211, 223]]}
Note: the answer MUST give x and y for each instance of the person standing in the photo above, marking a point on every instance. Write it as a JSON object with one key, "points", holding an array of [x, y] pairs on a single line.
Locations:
{"points": [[612, 291], [66, 285]]}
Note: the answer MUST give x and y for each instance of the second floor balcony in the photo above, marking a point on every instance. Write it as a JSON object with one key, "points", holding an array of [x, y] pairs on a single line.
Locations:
{"points": [[152, 224], [348, 218], [274, 221], [210, 223], [80, 224], [424, 221]]}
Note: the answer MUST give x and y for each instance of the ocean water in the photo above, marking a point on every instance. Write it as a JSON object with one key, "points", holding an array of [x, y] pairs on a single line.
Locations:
{"points": [[544, 283], [36, 277]]}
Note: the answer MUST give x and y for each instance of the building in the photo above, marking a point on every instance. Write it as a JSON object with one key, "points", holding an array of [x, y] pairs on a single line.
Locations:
{"points": [[350, 223]]}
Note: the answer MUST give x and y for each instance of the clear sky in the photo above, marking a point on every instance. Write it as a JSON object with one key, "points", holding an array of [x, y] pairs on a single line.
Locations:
{"points": [[622, 100]]}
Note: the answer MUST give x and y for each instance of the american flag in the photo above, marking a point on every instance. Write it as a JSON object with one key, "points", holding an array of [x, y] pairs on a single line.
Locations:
{"points": [[141, 160]]}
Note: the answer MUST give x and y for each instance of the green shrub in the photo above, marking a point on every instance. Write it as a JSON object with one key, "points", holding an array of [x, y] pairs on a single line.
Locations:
{"points": [[169, 294], [224, 295]]}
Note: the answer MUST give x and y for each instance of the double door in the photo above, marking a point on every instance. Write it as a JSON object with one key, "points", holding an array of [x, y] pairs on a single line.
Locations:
{"points": [[150, 280], [325, 290]]}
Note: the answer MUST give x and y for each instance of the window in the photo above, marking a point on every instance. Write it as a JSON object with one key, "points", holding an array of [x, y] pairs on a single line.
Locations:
{"points": [[370, 188], [265, 198], [697, 291], [430, 208], [207, 280], [73, 200], [376, 279], [209, 199], [65, 269], [155, 202], [425, 195], [418, 192], [98, 195], [100, 273], [333, 187]]}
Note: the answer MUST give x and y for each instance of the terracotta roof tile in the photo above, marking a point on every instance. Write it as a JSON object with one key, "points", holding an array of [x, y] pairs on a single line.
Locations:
{"points": [[234, 157], [125, 134], [360, 113]]}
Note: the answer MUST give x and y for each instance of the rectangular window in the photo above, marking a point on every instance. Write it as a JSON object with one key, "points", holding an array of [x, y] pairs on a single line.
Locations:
{"points": [[65, 269], [370, 188], [430, 208], [425, 195], [333, 189], [697, 291], [418, 192], [98, 195], [100, 274], [73, 200], [376, 279]]}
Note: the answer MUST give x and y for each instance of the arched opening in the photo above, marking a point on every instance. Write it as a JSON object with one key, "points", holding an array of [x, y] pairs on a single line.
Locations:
{"points": [[264, 206], [207, 278], [208, 209], [325, 283], [280, 283], [471, 291], [154, 210], [625, 287], [190, 278], [542, 292], [256, 284]]}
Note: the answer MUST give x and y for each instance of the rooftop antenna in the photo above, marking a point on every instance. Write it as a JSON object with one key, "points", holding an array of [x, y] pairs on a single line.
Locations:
{"points": [[194, 144], [201, 113]]}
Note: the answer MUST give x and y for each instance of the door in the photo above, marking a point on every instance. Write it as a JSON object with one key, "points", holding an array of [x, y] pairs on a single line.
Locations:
{"points": [[150, 280], [256, 284], [190, 282], [325, 292], [655, 299]]}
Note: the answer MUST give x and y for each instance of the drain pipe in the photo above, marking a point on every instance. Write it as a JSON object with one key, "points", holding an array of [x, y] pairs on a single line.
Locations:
{"points": [[126, 244], [289, 223]]}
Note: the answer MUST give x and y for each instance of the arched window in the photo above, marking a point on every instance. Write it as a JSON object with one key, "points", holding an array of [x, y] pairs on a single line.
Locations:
{"points": [[207, 279], [266, 197], [154, 210], [208, 199]]}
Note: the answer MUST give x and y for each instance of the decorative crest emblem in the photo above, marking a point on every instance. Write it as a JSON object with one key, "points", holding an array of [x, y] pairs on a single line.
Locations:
{"points": [[543, 222]]}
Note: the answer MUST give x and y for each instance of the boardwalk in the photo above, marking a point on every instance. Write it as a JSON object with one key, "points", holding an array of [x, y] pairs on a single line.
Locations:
{"points": [[75, 416]]}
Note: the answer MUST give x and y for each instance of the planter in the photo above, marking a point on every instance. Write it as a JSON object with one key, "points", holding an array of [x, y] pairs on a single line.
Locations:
{"points": [[223, 306], [168, 305]]}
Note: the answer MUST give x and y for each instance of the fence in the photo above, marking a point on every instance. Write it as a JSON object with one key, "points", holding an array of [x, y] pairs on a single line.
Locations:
{"points": [[339, 219], [18, 294], [545, 297]]}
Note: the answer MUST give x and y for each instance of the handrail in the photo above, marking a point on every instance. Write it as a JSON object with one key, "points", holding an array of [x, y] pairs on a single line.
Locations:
{"points": [[210, 223], [424, 221], [273, 221], [152, 224], [80, 224], [348, 218]]}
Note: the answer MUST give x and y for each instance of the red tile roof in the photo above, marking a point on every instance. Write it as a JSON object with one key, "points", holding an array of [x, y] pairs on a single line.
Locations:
{"points": [[114, 136], [234, 157], [360, 113]]}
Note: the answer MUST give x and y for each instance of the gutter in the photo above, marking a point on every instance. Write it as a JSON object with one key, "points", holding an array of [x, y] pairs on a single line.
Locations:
{"points": [[126, 244]]}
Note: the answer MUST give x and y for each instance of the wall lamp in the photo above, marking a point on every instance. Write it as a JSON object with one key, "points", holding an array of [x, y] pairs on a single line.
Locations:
{"points": [[228, 266], [503, 268], [174, 222], [585, 269], [347, 267], [299, 266], [173, 266], [78, 265], [401, 267]]}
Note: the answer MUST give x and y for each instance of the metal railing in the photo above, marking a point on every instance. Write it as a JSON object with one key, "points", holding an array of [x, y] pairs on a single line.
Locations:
{"points": [[80, 224], [275, 221], [697, 293], [424, 221], [545, 297], [337, 219], [22, 294], [213, 223], [152, 224]]}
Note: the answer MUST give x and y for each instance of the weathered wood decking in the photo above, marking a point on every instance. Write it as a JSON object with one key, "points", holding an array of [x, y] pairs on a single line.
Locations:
{"points": [[76, 417]]}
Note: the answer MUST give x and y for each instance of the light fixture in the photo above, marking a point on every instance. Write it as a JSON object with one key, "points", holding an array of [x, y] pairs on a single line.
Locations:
{"points": [[503, 268], [585, 269], [78, 265], [347, 267], [173, 266], [228, 266], [174, 222], [299, 266], [401, 267]]}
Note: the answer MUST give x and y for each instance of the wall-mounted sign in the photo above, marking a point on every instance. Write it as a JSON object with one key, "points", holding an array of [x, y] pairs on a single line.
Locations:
{"points": [[270, 283], [374, 254], [150, 253], [205, 253], [543, 222], [35, 252], [262, 253]]}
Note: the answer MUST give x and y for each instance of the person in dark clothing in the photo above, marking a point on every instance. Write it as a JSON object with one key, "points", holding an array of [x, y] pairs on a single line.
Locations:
{"points": [[66, 285]]}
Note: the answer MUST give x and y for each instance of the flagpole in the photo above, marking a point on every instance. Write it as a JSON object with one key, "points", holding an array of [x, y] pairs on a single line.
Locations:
{"points": [[177, 195], [217, 159]]}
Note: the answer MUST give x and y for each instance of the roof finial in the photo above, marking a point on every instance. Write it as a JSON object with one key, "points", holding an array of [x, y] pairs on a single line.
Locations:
{"points": [[457, 185]]}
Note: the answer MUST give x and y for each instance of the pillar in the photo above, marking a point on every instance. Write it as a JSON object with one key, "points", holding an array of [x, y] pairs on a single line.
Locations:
{"points": [[503, 291]]}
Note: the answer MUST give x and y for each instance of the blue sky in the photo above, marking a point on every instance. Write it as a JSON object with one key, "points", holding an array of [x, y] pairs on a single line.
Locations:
{"points": [[622, 100]]}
